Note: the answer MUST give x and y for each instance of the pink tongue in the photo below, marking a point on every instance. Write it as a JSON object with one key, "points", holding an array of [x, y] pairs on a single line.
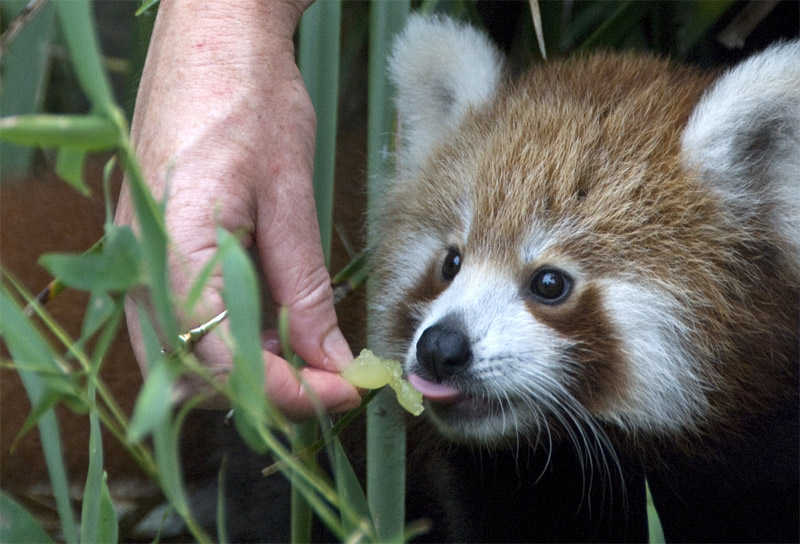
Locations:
{"points": [[434, 391]]}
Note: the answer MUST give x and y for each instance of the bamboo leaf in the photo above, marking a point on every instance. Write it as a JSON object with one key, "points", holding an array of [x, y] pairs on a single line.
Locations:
{"points": [[169, 467], [246, 380], [37, 364], [98, 519], [242, 300], [45, 404], [108, 170], [80, 132], [655, 532], [54, 459], [154, 242], [153, 405], [318, 60], [26, 63], [116, 267], [108, 526], [99, 310], [77, 23], [303, 435], [51, 398], [146, 5], [26, 344], [69, 167], [19, 526], [349, 489], [92, 491]]}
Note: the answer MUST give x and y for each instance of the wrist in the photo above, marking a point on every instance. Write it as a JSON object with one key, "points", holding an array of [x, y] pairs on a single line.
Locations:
{"points": [[269, 18]]}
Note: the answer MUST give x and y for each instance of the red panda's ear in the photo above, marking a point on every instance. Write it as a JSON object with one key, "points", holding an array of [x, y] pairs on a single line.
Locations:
{"points": [[744, 138], [440, 69]]}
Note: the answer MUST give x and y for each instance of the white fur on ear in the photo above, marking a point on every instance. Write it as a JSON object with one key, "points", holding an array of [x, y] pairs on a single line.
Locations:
{"points": [[744, 137], [440, 69]]}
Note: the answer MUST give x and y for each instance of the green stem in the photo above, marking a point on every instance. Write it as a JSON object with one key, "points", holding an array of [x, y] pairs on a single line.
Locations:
{"points": [[303, 435], [115, 419], [386, 438], [318, 60]]}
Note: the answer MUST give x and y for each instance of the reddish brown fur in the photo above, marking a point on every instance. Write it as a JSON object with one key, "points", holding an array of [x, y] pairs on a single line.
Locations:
{"points": [[596, 142], [596, 347], [404, 322]]}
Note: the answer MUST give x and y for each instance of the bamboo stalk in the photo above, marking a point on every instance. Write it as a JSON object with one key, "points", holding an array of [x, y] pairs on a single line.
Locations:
{"points": [[318, 60], [386, 438]]}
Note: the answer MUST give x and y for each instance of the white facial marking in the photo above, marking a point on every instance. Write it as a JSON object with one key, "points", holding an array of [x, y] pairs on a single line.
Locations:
{"points": [[513, 354]]}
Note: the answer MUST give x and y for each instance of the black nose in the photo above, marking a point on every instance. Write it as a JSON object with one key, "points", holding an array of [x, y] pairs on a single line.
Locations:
{"points": [[443, 350]]}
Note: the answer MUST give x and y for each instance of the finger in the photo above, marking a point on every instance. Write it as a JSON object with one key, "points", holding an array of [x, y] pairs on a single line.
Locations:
{"points": [[301, 283], [294, 397], [290, 249]]}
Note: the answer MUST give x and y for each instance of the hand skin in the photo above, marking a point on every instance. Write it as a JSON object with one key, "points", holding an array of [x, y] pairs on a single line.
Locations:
{"points": [[223, 120]]}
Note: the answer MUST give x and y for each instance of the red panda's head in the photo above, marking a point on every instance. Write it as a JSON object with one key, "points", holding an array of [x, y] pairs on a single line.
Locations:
{"points": [[601, 240]]}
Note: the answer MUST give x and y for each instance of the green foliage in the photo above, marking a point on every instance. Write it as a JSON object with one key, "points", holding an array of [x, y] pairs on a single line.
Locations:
{"points": [[17, 525], [98, 520], [25, 66], [153, 405], [77, 21], [244, 314], [80, 132], [318, 60], [349, 489], [116, 267], [655, 532], [386, 434], [31, 352], [69, 373], [73, 135]]}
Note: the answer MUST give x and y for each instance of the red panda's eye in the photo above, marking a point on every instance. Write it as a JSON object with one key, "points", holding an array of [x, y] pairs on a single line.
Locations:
{"points": [[451, 265], [550, 286]]}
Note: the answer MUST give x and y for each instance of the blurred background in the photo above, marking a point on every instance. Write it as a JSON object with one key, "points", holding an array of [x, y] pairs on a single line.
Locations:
{"points": [[39, 213]]}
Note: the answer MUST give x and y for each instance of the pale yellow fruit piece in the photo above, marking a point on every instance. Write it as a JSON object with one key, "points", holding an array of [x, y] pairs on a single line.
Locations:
{"points": [[369, 371], [408, 397]]}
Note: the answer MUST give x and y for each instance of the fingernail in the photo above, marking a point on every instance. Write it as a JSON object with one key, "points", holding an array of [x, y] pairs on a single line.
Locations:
{"points": [[270, 341], [336, 349]]}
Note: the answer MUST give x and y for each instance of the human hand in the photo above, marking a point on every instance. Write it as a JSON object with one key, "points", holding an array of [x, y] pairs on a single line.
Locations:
{"points": [[223, 120]]}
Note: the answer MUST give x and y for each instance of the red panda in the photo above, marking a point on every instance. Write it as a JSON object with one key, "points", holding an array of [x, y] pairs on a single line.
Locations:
{"points": [[604, 252]]}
